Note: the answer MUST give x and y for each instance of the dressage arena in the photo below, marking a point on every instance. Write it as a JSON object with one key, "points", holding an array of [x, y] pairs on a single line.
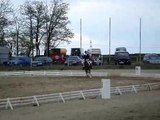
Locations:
{"points": [[134, 96]]}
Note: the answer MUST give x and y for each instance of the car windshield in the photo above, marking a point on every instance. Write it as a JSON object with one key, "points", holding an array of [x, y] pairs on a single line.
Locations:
{"points": [[121, 49], [15, 58], [39, 58], [154, 57], [123, 54], [43, 59], [73, 58]]}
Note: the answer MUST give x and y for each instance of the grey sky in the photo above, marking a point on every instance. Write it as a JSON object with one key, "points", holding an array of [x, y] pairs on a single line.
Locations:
{"points": [[125, 16]]}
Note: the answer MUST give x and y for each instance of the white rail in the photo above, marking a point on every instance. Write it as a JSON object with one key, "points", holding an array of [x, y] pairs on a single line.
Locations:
{"points": [[36, 100], [49, 73], [72, 73]]}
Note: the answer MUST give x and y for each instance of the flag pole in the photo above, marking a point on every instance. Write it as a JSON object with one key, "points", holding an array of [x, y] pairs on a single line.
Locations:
{"points": [[140, 39], [109, 39], [80, 33]]}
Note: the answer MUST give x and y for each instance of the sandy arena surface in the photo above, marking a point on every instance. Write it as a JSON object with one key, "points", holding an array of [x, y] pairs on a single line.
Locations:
{"points": [[140, 106], [28, 86]]}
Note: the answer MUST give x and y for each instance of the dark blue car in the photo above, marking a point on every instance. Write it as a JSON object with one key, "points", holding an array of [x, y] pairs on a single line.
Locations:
{"points": [[44, 60], [18, 61]]}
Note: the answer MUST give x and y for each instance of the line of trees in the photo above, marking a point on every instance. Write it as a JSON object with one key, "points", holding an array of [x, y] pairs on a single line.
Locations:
{"points": [[34, 24]]}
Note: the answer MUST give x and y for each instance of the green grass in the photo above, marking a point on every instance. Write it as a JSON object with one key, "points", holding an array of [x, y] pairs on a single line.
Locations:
{"points": [[63, 67]]}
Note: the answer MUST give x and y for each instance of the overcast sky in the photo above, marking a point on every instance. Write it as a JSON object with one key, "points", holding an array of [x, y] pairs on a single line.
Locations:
{"points": [[125, 26]]}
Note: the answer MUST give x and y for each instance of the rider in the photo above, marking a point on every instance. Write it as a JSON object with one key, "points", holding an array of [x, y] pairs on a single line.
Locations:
{"points": [[86, 55], [87, 66]]}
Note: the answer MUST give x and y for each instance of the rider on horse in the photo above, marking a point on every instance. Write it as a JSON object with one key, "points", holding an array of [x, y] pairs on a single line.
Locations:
{"points": [[87, 65]]}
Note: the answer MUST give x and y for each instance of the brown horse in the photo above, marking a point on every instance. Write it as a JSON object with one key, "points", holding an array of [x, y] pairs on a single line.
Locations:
{"points": [[87, 67]]}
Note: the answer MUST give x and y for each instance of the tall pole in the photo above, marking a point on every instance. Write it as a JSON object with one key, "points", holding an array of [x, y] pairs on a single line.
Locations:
{"points": [[140, 40], [17, 32], [80, 33], [17, 36], [109, 39], [90, 44]]}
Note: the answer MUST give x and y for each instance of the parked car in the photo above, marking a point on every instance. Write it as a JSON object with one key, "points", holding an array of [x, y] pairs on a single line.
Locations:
{"points": [[19, 61], [44, 60], [73, 60], [151, 59], [37, 63], [122, 58], [96, 62]]}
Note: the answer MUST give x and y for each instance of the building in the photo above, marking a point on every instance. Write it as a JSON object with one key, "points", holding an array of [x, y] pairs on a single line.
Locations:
{"points": [[4, 54]]}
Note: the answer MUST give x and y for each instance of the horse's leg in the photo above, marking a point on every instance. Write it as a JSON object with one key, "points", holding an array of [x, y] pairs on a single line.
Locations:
{"points": [[86, 71], [89, 73]]}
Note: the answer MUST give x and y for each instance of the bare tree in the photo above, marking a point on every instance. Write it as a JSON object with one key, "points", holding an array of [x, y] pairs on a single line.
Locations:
{"points": [[34, 13], [39, 25], [56, 24], [17, 36], [15, 32], [44, 23], [28, 17], [5, 20]]}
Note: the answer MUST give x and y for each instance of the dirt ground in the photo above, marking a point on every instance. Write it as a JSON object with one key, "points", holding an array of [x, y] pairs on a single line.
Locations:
{"points": [[140, 106], [28, 86]]}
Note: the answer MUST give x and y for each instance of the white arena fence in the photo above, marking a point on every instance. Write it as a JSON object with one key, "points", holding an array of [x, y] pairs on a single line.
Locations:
{"points": [[49, 73], [71, 73], [82, 94]]}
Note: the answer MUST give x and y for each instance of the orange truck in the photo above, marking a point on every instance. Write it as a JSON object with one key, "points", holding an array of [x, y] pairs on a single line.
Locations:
{"points": [[58, 55]]}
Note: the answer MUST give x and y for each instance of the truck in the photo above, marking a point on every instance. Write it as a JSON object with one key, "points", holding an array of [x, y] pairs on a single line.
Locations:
{"points": [[122, 56], [77, 52], [58, 55], [121, 49], [95, 55]]}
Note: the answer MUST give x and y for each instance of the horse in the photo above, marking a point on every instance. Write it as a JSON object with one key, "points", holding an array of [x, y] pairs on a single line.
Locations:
{"points": [[87, 66]]}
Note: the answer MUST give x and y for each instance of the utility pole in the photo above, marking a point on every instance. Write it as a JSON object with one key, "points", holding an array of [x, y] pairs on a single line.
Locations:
{"points": [[17, 37], [109, 40], [80, 33], [140, 40], [17, 31], [90, 44]]}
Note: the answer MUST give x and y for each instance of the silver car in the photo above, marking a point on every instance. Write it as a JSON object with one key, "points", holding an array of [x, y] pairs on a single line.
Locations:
{"points": [[151, 59], [73, 60]]}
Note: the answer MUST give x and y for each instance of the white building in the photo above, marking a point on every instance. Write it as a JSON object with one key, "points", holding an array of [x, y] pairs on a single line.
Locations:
{"points": [[4, 54]]}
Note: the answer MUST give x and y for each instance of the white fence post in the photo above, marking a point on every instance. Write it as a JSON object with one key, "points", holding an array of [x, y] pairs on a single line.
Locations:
{"points": [[106, 94], [61, 96], [44, 73], [35, 100], [71, 73], [149, 86], [138, 70], [118, 90], [134, 88], [9, 104], [81, 92]]}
